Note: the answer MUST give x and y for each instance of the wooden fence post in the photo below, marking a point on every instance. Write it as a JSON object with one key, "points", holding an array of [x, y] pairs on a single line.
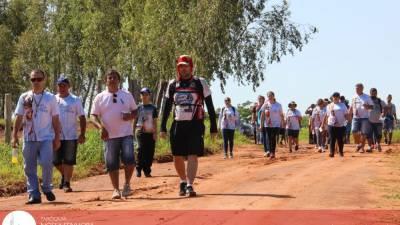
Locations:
{"points": [[7, 117]]}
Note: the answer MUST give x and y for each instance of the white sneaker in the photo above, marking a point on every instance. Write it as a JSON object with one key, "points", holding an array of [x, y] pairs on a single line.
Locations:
{"points": [[225, 156], [127, 191], [231, 156], [116, 194], [267, 154]]}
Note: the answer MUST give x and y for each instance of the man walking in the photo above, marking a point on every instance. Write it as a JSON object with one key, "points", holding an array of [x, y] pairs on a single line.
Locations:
{"points": [[359, 109], [37, 112], [188, 94], [375, 118], [390, 120], [70, 109], [113, 111]]}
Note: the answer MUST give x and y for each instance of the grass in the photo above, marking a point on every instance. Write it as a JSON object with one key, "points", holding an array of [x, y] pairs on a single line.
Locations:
{"points": [[90, 158]]}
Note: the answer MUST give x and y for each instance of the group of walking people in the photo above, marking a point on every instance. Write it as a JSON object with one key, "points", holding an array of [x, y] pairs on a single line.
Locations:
{"points": [[330, 123], [51, 133]]}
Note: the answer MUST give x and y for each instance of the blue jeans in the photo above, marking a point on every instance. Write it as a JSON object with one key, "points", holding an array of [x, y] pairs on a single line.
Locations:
{"points": [[265, 140], [116, 149], [34, 152]]}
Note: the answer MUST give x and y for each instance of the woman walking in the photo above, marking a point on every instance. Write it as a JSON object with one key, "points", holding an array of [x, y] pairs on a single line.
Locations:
{"points": [[319, 128], [228, 121], [293, 124], [272, 120], [336, 118]]}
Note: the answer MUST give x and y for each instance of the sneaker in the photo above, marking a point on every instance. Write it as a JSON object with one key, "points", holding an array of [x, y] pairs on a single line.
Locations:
{"points": [[138, 172], [225, 156], [272, 156], [182, 189], [147, 174], [369, 149], [190, 192], [331, 155], [358, 148], [386, 141], [32, 200], [341, 154], [61, 186], [231, 155], [267, 154], [116, 194], [379, 148], [127, 191], [296, 147], [67, 187], [50, 196]]}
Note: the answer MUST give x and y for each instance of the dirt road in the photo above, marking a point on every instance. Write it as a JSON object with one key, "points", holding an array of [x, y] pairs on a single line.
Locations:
{"points": [[301, 180]]}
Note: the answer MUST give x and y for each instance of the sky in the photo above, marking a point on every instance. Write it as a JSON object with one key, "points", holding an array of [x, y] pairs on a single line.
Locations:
{"points": [[358, 41]]}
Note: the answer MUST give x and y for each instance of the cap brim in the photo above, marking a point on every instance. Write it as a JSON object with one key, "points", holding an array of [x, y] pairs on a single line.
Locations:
{"points": [[183, 63]]}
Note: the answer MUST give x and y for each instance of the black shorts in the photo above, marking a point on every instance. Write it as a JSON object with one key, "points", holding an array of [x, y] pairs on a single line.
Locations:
{"points": [[187, 138], [282, 131], [66, 154], [293, 133]]}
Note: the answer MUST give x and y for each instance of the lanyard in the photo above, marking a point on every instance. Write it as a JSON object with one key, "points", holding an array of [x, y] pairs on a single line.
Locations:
{"points": [[37, 104]]}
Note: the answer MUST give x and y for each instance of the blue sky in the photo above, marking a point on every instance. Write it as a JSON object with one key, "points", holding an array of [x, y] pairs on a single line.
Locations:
{"points": [[358, 41]]}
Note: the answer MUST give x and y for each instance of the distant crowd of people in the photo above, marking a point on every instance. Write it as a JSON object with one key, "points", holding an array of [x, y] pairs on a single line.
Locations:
{"points": [[330, 124]]}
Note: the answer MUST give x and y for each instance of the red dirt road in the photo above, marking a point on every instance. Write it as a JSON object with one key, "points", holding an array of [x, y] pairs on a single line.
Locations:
{"points": [[301, 180]]}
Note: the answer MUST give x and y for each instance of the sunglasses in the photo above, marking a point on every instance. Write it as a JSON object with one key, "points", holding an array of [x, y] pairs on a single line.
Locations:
{"points": [[114, 98], [38, 79]]}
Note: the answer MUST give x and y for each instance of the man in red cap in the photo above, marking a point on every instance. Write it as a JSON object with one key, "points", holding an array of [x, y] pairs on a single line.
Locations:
{"points": [[187, 93]]}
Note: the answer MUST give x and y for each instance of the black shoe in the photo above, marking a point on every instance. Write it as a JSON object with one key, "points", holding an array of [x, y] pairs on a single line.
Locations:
{"points": [[331, 155], [296, 147], [67, 187], [61, 183], [138, 173], [341, 154], [50, 196], [190, 192], [147, 174], [33, 200], [182, 189]]}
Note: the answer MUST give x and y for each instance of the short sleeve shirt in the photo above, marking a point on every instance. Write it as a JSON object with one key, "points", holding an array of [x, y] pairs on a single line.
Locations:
{"points": [[37, 111], [273, 114], [70, 109], [110, 107], [358, 102], [292, 117], [146, 116], [337, 114]]}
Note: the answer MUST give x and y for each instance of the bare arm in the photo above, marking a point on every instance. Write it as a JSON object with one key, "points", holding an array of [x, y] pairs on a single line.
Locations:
{"points": [[57, 131], [82, 124], [17, 127]]}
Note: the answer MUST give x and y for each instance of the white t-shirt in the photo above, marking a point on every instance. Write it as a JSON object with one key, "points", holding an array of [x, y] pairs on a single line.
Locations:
{"points": [[292, 118], [318, 115], [111, 113], [275, 114], [37, 111], [70, 109], [336, 114], [359, 111], [228, 118]]}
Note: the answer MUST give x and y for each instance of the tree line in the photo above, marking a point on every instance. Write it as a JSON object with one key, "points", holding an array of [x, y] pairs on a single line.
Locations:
{"points": [[141, 39]]}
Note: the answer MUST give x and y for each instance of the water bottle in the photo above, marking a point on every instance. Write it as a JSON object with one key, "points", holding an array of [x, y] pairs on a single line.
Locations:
{"points": [[14, 158]]}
